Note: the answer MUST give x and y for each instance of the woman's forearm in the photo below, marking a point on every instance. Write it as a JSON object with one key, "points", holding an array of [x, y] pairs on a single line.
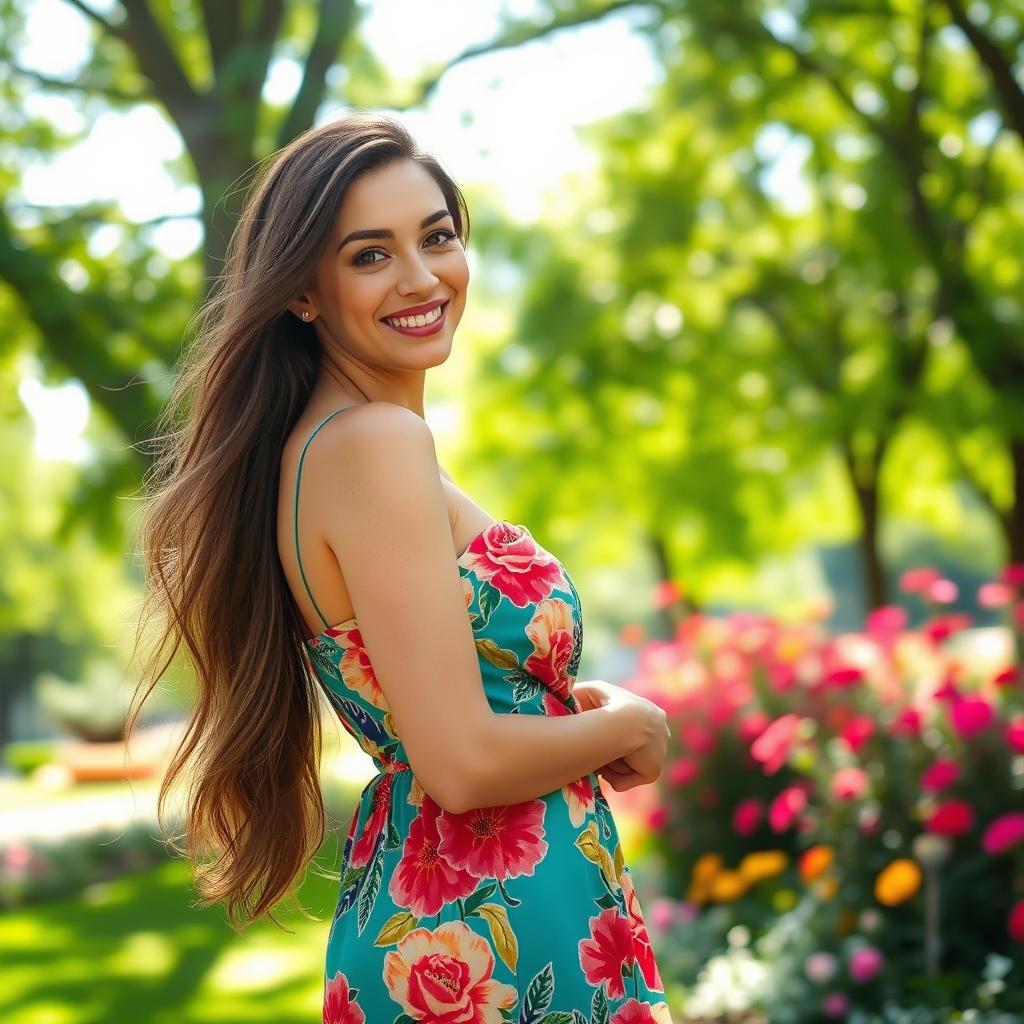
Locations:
{"points": [[522, 757]]}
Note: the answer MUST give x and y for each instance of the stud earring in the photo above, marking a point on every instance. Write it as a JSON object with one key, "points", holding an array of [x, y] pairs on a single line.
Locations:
{"points": [[305, 314]]}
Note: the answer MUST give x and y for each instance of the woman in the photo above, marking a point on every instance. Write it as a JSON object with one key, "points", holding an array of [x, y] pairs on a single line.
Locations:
{"points": [[303, 539]]}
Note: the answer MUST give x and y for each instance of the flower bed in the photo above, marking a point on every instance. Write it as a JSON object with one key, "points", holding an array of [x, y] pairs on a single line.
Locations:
{"points": [[843, 816]]}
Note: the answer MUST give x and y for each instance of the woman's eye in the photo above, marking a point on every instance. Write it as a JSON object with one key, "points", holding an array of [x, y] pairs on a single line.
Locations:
{"points": [[446, 236]]}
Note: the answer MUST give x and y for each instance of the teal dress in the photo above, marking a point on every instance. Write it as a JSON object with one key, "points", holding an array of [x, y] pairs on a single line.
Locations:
{"points": [[523, 912]]}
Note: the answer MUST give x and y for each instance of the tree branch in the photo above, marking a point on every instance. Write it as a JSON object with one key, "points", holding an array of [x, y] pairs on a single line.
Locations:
{"points": [[336, 20], [221, 20], [157, 61], [998, 66], [515, 33], [108, 26], [84, 85]]}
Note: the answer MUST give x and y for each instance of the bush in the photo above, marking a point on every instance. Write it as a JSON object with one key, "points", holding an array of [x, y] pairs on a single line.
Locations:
{"points": [[843, 814]]}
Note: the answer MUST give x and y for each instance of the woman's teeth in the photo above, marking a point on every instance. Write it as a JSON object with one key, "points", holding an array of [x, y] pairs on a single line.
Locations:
{"points": [[415, 321]]}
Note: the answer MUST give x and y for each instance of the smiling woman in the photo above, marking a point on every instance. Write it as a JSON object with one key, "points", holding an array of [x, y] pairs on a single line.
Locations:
{"points": [[482, 877]]}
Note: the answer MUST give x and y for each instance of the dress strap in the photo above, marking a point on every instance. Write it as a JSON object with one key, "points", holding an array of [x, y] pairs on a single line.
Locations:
{"points": [[295, 515]]}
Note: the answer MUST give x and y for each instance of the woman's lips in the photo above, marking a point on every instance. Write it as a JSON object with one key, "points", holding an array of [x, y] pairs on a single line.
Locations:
{"points": [[419, 332]]}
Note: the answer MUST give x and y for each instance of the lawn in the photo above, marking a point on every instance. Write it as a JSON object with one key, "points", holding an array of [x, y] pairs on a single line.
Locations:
{"points": [[137, 950]]}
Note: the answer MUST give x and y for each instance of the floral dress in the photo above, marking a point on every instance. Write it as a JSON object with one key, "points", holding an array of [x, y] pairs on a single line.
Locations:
{"points": [[524, 912]]}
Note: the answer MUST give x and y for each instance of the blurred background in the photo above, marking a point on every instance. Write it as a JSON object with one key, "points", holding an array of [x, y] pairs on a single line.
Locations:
{"points": [[744, 346]]}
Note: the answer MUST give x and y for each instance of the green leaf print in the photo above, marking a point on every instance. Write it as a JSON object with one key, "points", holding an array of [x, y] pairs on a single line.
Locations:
{"points": [[371, 885], [599, 1008], [538, 995], [556, 1017], [475, 899], [489, 597]]}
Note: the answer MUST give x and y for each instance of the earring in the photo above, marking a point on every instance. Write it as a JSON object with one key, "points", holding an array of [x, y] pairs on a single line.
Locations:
{"points": [[305, 314]]}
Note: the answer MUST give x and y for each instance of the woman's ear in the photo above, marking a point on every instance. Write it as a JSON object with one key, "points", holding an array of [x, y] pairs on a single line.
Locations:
{"points": [[303, 308]]}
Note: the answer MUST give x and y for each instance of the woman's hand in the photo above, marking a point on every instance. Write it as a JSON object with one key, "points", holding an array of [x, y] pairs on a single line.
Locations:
{"points": [[644, 765]]}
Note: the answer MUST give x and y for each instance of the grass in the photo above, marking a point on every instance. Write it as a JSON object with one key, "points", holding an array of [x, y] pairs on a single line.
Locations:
{"points": [[136, 949]]}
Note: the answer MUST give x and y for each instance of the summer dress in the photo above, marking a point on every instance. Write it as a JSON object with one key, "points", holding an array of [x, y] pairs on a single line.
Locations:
{"points": [[524, 912]]}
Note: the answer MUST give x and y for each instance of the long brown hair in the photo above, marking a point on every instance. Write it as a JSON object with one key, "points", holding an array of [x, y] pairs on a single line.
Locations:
{"points": [[214, 581]]}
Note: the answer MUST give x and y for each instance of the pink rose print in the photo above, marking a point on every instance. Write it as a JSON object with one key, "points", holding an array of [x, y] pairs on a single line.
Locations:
{"points": [[338, 1006], [423, 880], [494, 842], [362, 849], [551, 631], [641, 938], [507, 557], [633, 1012], [444, 977], [609, 947]]}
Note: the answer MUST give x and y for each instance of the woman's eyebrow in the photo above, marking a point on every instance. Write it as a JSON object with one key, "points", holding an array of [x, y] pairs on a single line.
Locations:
{"points": [[387, 232]]}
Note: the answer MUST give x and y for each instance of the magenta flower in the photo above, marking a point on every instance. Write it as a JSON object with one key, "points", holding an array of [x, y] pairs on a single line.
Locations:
{"points": [[970, 715], [915, 580], [786, 808], [1015, 733], [842, 675], [1007, 677], [1004, 832], [747, 816], [866, 963], [1013, 575], [940, 627], [907, 724], [857, 731], [952, 818], [1015, 923], [940, 774], [849, 783]]}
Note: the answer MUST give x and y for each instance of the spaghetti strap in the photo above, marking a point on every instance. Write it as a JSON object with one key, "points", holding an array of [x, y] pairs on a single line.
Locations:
{"points": [[295, 514]]}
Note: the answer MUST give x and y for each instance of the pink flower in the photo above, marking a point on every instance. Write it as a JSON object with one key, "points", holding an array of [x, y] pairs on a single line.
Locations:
{"points": [[1013, 575], [656, 818], [835, 1004], [339, 1007], [751, 726], [970, 716], [747, 816], [952, 818], [1018, 613], [682, 771], [865, 963], [786, 808], [1004, 832], [942, 591], [1015, 733], [1015, 923], [662, 913], [940, 774], [772, 747], [857, 731], [849, 783], [494, 842], [940, 627], [994, 595], [916, 580], [887, 619], [609, 948], [821, 967]]}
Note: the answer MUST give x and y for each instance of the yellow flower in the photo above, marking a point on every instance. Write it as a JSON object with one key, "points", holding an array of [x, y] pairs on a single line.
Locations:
{"points": [[814, 862], [707, 866], [727, 885], [762, 864], [897, 882]]}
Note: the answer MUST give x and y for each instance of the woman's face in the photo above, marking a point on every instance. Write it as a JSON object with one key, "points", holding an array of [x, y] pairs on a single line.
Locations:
{"points": [[361, 280]]}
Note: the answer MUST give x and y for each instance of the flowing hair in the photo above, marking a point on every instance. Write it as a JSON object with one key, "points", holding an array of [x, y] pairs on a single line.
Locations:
{"points": [[213, 578]]}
